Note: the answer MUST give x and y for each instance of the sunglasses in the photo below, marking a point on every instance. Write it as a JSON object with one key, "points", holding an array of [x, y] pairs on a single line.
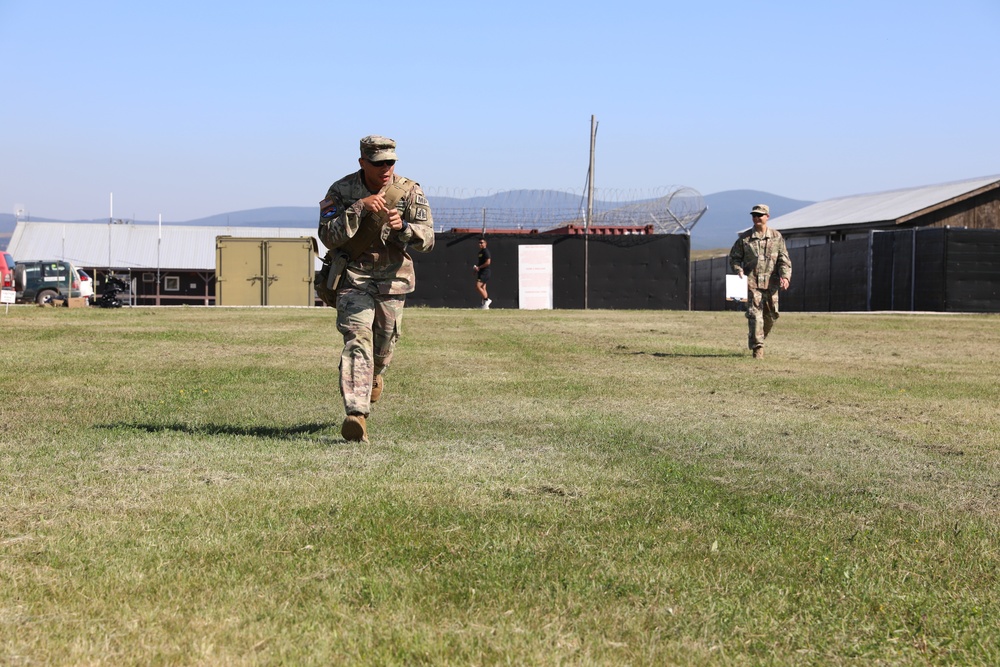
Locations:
{"points": [[382, 163], [756, 215]]}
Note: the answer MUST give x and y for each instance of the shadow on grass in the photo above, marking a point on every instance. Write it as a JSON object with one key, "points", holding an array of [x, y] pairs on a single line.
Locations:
{"points": [[661, 355], [271, 432]]}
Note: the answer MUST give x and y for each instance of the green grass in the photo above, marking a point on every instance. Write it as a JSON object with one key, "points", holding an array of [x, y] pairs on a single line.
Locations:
{"points": [[556, 487]]}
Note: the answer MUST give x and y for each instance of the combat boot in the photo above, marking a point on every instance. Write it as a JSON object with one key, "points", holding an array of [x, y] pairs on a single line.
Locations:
{"points": [[354, 429], [378, 384], [758, 353]]}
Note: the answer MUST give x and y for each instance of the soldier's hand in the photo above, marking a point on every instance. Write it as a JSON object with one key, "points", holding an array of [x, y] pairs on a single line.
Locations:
{"points": [[395, 220], [374, 203], [784, 283]]}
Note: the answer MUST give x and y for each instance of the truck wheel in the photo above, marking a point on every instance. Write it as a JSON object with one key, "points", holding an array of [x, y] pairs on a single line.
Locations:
{"points": [[45, 297]]}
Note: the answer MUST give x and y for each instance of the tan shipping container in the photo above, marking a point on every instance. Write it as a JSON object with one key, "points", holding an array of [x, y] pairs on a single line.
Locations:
{"points": [[264, 271]]}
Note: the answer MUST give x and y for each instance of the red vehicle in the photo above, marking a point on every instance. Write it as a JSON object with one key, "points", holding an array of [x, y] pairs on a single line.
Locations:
{"points": [[6, 270]]}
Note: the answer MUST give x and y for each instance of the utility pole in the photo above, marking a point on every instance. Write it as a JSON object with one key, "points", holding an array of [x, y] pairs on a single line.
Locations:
{"points": [[590, 214], [111, 221]]}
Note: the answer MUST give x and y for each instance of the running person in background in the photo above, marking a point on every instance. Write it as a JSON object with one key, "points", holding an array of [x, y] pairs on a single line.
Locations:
{"points": [[482, 269]]}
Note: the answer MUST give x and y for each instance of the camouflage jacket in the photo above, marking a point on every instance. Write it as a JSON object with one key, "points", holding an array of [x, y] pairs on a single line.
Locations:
{"points": [[759, 256], [386, 263]]}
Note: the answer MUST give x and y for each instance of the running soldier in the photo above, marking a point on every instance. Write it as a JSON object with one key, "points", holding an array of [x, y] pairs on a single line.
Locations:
{"points": [[369, 220]]}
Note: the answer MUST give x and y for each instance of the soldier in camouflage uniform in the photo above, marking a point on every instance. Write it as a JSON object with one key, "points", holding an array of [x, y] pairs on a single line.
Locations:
{"points": [[760, 253], [378, 275]]}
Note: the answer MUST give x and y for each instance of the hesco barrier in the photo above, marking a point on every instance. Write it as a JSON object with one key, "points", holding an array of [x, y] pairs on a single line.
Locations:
{"points": [[936, 269], [625, 272]]}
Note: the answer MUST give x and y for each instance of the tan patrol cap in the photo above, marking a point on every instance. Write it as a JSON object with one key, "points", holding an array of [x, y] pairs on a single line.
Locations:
{"points": [[375, 148], [760, 208]]}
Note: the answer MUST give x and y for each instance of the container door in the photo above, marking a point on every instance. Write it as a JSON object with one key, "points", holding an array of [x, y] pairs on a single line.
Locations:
{"points": [[289, 276], [239, 275]]}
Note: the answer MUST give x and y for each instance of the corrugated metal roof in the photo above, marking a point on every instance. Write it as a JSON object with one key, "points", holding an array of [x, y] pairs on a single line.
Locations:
{"points": [[879, 207], [178, 247]]}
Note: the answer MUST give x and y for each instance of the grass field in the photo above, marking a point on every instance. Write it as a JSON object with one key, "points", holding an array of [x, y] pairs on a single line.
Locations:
{"points": [[545, 488]]}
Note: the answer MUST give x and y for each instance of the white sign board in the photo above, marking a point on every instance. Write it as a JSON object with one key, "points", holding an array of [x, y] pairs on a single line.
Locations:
{"points": [[736, 288], [534, 277], [8, 295]]}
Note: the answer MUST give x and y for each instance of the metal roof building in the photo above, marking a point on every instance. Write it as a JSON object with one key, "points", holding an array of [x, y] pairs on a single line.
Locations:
{"points": [[972, 204], [164, 264], [131, 246]]}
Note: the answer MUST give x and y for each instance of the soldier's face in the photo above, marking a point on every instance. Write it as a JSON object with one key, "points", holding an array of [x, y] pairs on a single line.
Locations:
{"points": [[760, 220], [377, 174]]}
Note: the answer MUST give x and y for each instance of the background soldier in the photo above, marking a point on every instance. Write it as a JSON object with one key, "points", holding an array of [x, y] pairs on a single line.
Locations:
{"points": [[760, 253], [368, 220]]}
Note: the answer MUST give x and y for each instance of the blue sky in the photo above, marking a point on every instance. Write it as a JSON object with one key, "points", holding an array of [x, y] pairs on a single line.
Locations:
{"points": [[187, 109]]}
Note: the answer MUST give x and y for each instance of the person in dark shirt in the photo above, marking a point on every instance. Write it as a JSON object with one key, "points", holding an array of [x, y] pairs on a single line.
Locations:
{"points": [[482, 269]]}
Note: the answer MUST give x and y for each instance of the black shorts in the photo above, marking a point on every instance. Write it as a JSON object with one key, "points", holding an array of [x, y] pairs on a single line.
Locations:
{"points": [[484, 276]]}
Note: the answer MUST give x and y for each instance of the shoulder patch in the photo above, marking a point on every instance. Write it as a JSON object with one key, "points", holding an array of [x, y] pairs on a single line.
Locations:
{"points": [[328, 208]]}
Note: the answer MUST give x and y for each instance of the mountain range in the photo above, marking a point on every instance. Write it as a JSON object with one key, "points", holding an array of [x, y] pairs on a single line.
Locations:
{"points": [[728, 213]]}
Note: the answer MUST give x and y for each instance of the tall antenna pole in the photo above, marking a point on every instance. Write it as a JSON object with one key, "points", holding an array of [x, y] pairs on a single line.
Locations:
{"points": [[111, 220], [590, 180], [159, 242], [590, 214]]}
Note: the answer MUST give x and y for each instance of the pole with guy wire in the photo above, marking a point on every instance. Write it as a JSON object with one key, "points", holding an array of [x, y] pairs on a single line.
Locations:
{"points": [[590, 214]]}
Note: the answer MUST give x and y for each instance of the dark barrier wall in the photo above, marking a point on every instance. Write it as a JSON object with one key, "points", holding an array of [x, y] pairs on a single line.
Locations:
{"points": [[794, 298], [972, 283], [814, 278], [885, 274], [626, 272], [930, 270], [938, 269], [851, 291], [708, 284]]}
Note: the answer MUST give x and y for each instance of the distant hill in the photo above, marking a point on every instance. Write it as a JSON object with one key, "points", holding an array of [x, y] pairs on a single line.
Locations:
{"points": [[273, 216], [728, 213]]}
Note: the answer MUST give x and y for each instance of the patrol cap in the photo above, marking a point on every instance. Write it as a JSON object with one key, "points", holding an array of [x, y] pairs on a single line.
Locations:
{"points": [[375, 148], [760, 208]]}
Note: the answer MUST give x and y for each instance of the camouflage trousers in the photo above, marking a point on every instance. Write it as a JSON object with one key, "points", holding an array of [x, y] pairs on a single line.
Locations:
{"points": [[370, 323], [762, 311]]}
